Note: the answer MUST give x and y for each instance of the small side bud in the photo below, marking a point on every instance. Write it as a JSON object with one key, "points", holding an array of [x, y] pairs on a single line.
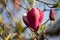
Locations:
{"points": [[52, 15]]}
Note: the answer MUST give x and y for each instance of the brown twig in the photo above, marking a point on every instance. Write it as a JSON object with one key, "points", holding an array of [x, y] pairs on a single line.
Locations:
{"points": [[38, 34], [21, 6], [10, 14], [44, 2], [46, 22], [41, 35]]}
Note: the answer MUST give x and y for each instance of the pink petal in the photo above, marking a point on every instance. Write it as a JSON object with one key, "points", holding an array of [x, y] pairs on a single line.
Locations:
{"points": [[33, 17], [26, 21], [41, 16]]}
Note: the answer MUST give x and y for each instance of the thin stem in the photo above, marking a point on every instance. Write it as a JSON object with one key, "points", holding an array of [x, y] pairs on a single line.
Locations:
{"points": [[41, 35], [45, 22], [8, 37], [21, 6], [45, 2], [10, 14]]}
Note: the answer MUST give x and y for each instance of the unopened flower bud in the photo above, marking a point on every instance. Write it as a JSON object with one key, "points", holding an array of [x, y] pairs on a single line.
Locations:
{"points": [[52, 15], [34, 18]]}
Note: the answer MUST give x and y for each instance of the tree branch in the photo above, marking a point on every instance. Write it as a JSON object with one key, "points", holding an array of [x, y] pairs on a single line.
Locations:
{"points": [[21, 6], [45, 22], [44, 2]]}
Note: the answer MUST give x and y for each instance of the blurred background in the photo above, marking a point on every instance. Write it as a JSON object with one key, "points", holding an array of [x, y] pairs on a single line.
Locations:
{"points": [[53, 33]]}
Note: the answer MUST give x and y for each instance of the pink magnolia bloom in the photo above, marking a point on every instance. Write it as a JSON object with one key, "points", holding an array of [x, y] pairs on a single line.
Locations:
{"points": [[34, 18], [52, 15]]}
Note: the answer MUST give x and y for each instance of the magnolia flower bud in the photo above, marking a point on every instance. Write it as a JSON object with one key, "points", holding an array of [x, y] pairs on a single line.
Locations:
{"points": [[52, 15], [34, 18]]}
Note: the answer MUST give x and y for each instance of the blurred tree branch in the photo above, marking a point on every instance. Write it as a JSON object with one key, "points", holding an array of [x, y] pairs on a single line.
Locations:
{"points": [[45, 2], [54, 29], [21, 6]]}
